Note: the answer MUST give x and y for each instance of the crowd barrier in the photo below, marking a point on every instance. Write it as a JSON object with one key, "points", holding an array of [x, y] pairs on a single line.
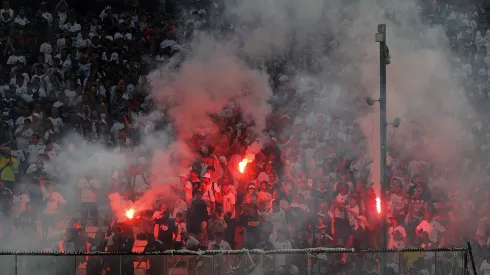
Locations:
{"points": [[319, 261]]}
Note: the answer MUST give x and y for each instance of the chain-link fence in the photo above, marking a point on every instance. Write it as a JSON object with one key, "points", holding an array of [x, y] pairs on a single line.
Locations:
{"points": [[312, 262]]}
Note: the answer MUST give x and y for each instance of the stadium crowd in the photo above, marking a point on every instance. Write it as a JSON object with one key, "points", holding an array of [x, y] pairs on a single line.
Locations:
{"points": [[82, 71]]}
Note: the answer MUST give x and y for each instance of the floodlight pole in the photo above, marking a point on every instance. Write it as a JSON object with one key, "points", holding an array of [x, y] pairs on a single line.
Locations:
{"points": [[383, 61]]}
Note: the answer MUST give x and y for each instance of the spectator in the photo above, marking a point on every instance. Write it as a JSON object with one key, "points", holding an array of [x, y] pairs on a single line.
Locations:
{"points": [[54, 202], [89, 188], [216, 224], [8, 164], [485, 266], [27, 221], [19, 202], [219, 243], [165, 227], [397, 234], [6, 198]]}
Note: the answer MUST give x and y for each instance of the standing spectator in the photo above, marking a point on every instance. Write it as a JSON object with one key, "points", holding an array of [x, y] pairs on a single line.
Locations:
{"points": [[215, 224], [229, 202], [165, 227], [8, 164], [121, 240], [6, 198], [485, 266], [208, 194], [341, 221], [34, 149], [397, 235], [54, 203], [19, 203], [198, 213], [89, 188], [219, 243], [279, 242], [252, 225], [181, 231], [27, 221]]}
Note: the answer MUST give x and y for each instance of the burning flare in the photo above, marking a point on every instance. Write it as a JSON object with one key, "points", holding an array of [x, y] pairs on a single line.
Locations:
{"points": [[242, 164], [378, 205], [130, 213]]}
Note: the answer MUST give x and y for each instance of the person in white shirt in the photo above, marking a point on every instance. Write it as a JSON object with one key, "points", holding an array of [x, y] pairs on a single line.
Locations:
{"points": [[46, 49], [187, 187], [21, 18], [341, 222], [6, 9], [23, 134], [352, 211], [38, 167], [94, 27], [45, 14], [89, 187], [56, 121], [396, 234], [66, 64], [140, 181], [229, 202], [34, 149], [181, 230], [219, 243], [265, 176], [61, 45], [277, 217], [16, 58], [61, 18], [485, 266], [37, 88], [50, 150], [84, 66], [207, 193], [264, 196], [19, 202], [54, 203], [279, 241], [71, 93], [116, 128], [83, 41], [180, 206], [106, 12], [432, 226]]}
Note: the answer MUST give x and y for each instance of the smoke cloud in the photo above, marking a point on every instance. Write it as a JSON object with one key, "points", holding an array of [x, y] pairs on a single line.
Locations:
{"points": [[421, 87]]}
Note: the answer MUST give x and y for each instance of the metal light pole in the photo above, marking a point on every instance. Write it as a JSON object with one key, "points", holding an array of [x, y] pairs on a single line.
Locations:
{"points": [[383, 61]]}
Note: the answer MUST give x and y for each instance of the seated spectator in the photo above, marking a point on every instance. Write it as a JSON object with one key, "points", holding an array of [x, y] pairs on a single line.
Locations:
{"points": [[219, 243]]}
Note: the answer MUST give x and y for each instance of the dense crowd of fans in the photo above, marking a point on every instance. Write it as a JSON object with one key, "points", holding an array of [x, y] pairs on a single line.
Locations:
{"points": [[65, 72]]}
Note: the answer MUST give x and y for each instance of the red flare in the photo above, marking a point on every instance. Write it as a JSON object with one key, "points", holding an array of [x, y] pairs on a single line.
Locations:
{"points": [[130, 213], [242, 165]]}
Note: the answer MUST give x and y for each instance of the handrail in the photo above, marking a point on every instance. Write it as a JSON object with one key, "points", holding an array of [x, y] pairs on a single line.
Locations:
{"points": [[318, 250]]}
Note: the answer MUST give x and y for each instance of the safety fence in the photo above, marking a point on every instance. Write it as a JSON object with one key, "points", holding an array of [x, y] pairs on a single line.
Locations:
{"points": [[318, 261]]}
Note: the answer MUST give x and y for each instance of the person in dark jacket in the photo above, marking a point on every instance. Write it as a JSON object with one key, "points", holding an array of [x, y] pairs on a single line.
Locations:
{"points": [[156, 263], [121, 240], [198, 213], [165, 228], [251, 223]]}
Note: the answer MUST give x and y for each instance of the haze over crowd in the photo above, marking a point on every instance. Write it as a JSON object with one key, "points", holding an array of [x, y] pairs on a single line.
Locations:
{"points": [[158, 115]]}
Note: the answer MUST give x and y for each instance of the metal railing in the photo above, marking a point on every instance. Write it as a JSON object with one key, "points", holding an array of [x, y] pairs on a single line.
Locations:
{"points": [[455, 261]]}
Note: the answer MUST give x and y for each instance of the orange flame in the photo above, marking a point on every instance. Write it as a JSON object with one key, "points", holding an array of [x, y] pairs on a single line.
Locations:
{"points": [[130, 213], [242, 164], [378, 205]]}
